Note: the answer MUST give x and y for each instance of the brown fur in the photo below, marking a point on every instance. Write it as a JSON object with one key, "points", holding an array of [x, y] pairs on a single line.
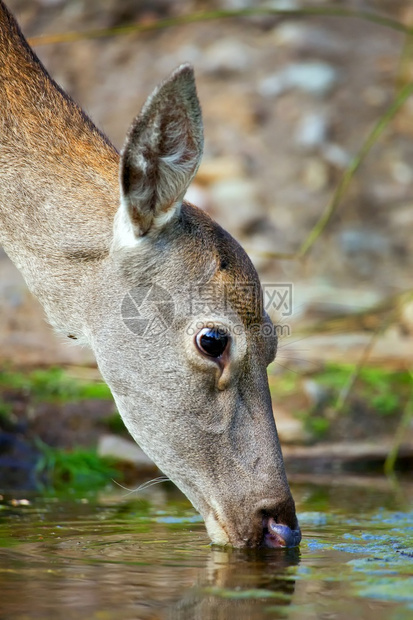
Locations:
{"points": [[42, 131]]}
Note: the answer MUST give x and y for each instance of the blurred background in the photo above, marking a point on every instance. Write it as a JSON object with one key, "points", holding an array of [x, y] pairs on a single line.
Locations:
{"points": [[288, 102]]}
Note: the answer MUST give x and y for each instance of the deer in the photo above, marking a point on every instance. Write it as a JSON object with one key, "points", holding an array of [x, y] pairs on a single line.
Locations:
{"points": [[104, 240]]}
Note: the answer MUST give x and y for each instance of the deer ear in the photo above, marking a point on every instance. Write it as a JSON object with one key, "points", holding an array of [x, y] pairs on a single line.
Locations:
{"points": [[162, 153]]}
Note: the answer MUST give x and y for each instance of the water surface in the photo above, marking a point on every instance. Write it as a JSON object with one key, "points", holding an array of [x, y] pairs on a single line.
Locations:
{"points": [[148, 557]]}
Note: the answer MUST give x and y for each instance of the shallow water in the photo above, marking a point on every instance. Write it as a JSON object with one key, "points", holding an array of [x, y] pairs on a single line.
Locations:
{"points": [[112, 558]]}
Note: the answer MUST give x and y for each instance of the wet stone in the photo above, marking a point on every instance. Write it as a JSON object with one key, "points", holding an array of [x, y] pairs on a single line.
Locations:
{"points": [[311, 131], [226, 57], [315, 78]]}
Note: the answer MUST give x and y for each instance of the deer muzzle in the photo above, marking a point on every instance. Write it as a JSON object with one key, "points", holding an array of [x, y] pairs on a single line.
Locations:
{"points": [[268, 524]]}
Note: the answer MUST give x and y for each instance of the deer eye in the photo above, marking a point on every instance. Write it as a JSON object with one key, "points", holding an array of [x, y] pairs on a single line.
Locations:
{"points": [[212, 341]]}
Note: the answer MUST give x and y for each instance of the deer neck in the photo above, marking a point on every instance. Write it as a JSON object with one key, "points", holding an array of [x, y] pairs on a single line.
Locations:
{"points": [[58, 181]]}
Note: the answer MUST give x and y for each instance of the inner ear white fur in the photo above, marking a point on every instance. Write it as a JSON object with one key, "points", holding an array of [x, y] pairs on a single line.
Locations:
{"points": [[161, 156]]}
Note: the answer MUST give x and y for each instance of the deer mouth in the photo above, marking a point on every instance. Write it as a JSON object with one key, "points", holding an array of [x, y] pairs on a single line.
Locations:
{"points": [[276, 535]]}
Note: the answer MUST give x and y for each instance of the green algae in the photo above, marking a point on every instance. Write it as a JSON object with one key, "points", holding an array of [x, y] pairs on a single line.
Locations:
{"points": [[383, 569]]}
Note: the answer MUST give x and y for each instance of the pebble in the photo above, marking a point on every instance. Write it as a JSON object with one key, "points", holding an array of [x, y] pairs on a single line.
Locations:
{"points": [[323, 300], [225, 57], [315, 176], [335, 155], [311, 131], [116, 447], [315, 78], [235, 202], [401, 172], [290, 33], [273, 85], [363, 249], [307, 38], [353, 241], [402, 216], [220, 168], [290, 429], [316, 394], [19, 502]]}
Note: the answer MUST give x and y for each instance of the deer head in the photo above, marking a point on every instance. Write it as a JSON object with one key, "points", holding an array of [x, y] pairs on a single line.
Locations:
{"points": [[169, 302], [192, 390]]}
